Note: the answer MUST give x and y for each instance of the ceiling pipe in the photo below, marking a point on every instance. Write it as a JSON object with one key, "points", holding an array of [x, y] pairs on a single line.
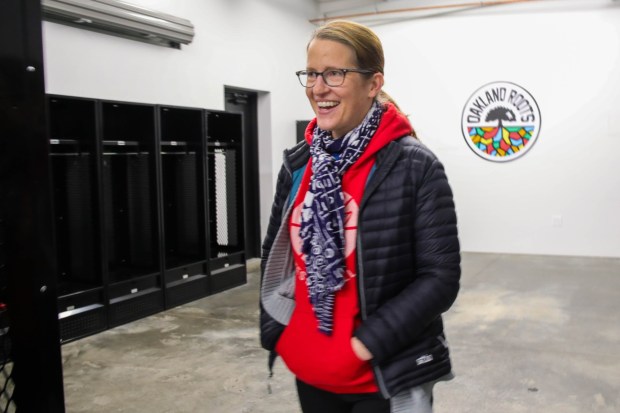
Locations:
{"points": [[438, 8]]}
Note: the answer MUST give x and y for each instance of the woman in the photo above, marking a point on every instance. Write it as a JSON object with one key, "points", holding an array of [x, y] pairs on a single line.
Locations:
{"points": [[361, 255]]}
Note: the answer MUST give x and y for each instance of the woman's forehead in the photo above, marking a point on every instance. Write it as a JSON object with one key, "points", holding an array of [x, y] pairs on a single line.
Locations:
{"points": [[330, 53]]}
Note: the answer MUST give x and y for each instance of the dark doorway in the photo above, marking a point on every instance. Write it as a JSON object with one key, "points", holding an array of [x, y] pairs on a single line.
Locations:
{"points": [[300, 127], [245, 102]]}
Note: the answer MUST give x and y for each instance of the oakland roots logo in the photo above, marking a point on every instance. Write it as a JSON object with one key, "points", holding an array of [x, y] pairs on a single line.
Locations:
{"points": [[501, 121]]}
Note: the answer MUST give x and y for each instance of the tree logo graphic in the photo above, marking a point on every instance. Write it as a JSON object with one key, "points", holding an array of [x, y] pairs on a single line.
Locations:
{"points": [[501, 121]]}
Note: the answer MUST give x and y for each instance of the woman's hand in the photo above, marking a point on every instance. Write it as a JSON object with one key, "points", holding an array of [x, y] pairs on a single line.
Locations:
{"points": [[360, 350]]}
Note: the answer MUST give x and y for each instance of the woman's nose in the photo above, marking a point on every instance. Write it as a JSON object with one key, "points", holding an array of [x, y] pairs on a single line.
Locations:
{"points": [[320, 85]]}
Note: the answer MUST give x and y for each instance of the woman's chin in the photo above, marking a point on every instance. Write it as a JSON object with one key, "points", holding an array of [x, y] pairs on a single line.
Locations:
{"points": [[326, 123]]}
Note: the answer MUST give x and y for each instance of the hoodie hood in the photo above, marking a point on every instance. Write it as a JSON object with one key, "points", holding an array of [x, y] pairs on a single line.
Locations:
{"points": [[393, 125]]}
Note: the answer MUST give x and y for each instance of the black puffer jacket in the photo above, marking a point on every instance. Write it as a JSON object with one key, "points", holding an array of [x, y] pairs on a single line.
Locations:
{"points": [[408, 263]]}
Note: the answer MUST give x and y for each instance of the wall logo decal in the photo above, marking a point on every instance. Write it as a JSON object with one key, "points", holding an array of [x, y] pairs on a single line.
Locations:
{"points": [[501, 121]]}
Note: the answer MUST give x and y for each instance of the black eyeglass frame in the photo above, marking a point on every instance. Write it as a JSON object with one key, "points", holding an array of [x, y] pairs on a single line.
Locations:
{"points": [[299, 73]]}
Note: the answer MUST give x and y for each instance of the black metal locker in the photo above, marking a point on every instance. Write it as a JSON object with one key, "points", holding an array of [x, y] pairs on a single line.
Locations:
{"points": [[225, 195], [139, 227], [183, 198], [77, 244], [130, 211]]}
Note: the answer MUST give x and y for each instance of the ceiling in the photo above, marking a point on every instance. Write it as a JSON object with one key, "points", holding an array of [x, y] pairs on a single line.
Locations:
{"points": [[377, 12], [374, 12]]}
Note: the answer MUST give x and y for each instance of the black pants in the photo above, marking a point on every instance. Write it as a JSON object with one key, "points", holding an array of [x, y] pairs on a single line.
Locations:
{"points": [[315, 400]]}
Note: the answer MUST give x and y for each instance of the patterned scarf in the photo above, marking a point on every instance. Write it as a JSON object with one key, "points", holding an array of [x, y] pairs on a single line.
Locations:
{"points": [[322, 222]]}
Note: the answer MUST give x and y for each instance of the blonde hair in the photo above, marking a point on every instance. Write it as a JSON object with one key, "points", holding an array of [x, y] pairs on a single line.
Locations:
{"points": [[363, 41], [365, 44]]}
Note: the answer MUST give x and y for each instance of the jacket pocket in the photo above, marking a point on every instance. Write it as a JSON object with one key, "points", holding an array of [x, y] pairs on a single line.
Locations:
{"points": [[319, 360], [424, 361]]}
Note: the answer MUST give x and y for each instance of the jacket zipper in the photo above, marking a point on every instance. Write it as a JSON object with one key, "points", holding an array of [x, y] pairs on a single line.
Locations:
{"points": [[362, 301]]}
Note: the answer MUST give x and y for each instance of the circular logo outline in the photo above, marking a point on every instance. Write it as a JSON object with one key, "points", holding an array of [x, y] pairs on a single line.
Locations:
{"points": [[499, 96]]}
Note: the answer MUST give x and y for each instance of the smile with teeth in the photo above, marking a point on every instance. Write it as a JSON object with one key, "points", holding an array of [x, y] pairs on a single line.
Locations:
{"points": [[326, 105]]}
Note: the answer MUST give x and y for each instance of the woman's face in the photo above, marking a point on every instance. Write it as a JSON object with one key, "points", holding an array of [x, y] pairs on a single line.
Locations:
{"points": [[339, 109]]}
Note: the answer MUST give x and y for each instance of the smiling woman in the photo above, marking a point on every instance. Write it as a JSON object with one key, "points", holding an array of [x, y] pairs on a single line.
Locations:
{"points": [[353, 287]]}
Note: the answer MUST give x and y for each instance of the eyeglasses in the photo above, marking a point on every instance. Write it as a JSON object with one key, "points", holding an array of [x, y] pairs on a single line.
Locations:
{"points": [[331, 77]]}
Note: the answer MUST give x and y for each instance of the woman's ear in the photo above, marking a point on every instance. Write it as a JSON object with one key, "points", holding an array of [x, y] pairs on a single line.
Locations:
{"points": [[376, 83]]}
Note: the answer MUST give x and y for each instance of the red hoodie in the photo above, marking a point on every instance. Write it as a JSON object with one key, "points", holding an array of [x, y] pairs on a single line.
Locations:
{"points": [[328, 362]]}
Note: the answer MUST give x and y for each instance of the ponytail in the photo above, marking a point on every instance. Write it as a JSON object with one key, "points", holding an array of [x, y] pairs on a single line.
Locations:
{"points": [[383, 97]]}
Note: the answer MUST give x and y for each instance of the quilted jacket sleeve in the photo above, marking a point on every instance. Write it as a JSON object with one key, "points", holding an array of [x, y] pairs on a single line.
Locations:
{"points": [[431, 270]]}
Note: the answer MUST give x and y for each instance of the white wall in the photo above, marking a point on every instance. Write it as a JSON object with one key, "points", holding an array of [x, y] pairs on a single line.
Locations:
{"points": [[567, 55], [242, 43]]}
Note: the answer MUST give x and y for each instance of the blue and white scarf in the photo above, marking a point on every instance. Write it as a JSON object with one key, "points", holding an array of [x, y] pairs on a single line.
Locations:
{"points": [[322, 218]]}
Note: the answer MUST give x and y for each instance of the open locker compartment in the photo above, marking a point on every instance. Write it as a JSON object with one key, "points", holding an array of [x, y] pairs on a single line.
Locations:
{"points": [[227, 262], [184, 204], [72, 130], [130, 211]]}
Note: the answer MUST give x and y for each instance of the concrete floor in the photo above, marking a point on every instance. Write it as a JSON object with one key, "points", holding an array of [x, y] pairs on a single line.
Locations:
{"points": [[527, 333]]}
